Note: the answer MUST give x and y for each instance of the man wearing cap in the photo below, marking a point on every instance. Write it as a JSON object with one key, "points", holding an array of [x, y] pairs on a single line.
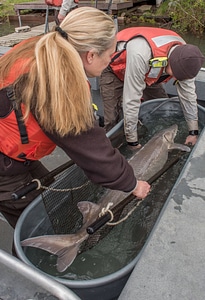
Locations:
{"points": [[145, 57]]}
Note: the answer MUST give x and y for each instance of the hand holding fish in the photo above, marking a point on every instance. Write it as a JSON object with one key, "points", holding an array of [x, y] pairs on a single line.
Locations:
{"points": [[142, 189]]}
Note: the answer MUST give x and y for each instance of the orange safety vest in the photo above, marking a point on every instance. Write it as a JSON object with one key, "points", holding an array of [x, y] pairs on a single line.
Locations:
{"points": [[19, 67], [29, 143], [160, 41], [57, 2]]}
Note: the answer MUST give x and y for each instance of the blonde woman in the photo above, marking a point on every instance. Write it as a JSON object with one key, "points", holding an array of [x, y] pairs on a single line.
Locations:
{"points": [[44, 80]]}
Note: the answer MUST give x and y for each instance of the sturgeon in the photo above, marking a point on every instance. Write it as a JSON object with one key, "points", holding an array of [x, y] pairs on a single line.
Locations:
{"points": [[150, 159]]}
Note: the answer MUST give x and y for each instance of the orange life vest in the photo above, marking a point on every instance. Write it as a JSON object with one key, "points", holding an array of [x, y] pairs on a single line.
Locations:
{"points": [[57, 2], [20, 66], [31, 144], [160, 41]]}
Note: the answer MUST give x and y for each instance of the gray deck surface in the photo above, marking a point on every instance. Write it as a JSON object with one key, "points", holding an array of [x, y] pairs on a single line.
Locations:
{"points": [[14, 38]]}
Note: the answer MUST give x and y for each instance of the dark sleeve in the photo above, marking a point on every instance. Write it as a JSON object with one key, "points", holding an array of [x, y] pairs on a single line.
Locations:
{"points": [[92, 151]]}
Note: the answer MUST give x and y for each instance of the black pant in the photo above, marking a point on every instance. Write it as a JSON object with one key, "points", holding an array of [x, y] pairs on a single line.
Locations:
{"points": [[12, 209]]}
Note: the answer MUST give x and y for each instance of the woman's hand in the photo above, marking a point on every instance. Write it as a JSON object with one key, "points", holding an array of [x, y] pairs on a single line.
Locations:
{"points": [[142, 189]]}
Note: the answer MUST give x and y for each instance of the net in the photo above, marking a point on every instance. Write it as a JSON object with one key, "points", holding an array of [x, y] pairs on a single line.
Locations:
{"points": [[60, 200]]}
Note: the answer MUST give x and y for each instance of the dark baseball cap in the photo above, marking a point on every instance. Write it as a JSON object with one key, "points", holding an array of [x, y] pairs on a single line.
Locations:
{"points": [[186, 61]]}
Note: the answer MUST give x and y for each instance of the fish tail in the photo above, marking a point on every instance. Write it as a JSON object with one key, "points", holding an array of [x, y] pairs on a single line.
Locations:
{"points": [[66, 247]]}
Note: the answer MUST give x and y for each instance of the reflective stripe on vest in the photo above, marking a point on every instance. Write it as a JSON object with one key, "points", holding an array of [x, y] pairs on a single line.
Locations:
{"points": [[160, 41]]}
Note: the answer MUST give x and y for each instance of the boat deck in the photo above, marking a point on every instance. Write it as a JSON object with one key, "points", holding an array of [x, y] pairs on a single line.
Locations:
{"points": [[12, 39], [16, 37], [102, 5]]}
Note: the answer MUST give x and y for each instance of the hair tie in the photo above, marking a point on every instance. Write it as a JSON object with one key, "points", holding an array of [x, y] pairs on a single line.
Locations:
{"points": [[62, 32]]}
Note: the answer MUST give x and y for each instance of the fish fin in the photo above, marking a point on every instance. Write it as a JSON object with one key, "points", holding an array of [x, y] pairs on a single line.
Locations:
{"points": [[180, 147], [87, 208], [50, 243], [66, 257], [55, 244]]}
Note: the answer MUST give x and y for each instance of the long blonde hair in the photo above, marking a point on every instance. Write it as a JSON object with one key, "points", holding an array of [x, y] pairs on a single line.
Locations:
{"points": [[55, 87]]}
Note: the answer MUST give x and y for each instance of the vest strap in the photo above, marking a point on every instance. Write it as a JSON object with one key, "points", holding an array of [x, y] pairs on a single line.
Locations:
{"points": [[19, 115], [162, 78]]}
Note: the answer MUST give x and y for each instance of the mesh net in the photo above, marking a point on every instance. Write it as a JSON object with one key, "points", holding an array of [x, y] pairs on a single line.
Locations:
{"points": [[60, 201]]}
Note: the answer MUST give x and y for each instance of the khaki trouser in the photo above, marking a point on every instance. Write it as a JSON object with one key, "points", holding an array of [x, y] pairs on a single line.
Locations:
{"points": [[111, 89]]}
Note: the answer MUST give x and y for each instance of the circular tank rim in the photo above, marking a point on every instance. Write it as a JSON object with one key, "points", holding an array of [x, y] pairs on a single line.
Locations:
{"points": [[71, 283]]}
